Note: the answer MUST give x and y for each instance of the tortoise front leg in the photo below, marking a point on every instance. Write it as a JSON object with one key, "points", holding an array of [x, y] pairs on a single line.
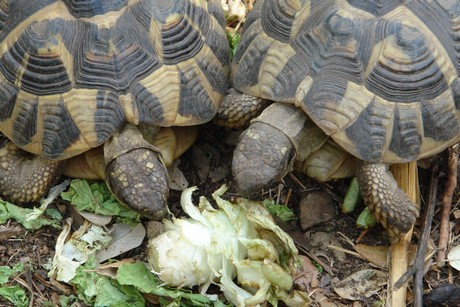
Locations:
{"points": [[25, 177], [387, 202]]}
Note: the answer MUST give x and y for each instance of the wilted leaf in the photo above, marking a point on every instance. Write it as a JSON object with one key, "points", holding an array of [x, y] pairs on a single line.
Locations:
{"points": [[454, 257], [124, 238], [52, 195], [361, 284], [72, 254], [10, 211]]}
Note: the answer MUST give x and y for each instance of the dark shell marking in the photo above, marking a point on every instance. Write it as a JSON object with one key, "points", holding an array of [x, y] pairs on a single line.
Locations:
{"points": [[73, 72], [380, 77]]}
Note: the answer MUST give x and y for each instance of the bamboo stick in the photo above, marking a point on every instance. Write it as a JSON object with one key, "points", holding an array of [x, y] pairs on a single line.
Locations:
{"points": [[407, 177]]}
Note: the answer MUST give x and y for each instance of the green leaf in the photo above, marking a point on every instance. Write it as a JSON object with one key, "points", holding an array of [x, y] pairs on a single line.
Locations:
{"points": [[366, 219], [283, 212], [6, 272], [96, 198], [70, 300], [352, 198], [10, 211], [137, 275], [233, 38], [16, 295], [99, 290], [54, 214]]}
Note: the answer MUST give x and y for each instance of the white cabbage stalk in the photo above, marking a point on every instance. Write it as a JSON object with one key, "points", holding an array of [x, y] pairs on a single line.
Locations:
{"points": [[234, 242]]}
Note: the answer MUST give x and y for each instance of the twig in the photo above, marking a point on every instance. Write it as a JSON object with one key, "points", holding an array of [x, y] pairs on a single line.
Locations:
{"points": [[361, 235], [317, 260], [288, 197], [451, 184], [417, 267], [297, 180]]}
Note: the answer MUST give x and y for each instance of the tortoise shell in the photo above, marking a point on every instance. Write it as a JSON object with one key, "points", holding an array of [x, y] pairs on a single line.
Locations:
{"points": [[380, 77], [73, 72]]}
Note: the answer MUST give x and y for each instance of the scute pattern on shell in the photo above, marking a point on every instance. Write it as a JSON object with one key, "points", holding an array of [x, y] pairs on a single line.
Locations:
{"points": [[74, 72], [380, 77]]}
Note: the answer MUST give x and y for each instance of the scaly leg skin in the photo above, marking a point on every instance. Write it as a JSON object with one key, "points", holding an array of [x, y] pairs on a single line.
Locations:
{"points": [[25, 177], [387, 202], [237, 109], [136, 174]]}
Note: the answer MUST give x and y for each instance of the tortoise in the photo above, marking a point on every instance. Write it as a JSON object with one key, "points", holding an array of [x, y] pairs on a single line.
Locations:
{"points": [[78, 75], [366, 83]]}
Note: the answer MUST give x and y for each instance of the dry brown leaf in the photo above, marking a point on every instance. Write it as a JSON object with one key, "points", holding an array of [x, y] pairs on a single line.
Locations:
{"points": [[318, 244], [306, 277], [376, 255], [97, 219], [7, 232], [361, 284], [124, 238], [111, 269]]}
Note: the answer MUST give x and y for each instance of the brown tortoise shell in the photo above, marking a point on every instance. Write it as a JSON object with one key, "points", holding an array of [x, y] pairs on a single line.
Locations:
{"points": [[73, 72], [380, 77]]}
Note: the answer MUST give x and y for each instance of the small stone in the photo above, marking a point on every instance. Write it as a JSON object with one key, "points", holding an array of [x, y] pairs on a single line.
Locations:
{"points": [[316, 207]]}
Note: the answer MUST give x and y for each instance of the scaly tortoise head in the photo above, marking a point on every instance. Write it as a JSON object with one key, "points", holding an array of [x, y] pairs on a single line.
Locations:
{"points": [[73, 73], [380, 77]]}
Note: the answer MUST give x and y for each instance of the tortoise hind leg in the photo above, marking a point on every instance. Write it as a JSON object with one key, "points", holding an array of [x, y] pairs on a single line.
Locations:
{"points": [[387, 202], [237, 109], [25, 177], [135, 173]]}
